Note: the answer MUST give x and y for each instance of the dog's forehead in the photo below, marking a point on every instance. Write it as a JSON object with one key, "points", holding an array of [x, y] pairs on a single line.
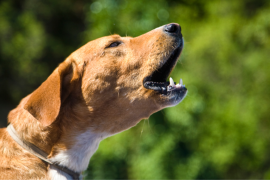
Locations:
{"points": [[103, 41], [115, 37], [106, 39]]}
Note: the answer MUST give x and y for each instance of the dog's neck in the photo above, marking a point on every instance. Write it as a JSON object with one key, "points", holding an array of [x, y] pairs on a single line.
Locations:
{"points": [[78, 142], [73, 138], [70, 141]]}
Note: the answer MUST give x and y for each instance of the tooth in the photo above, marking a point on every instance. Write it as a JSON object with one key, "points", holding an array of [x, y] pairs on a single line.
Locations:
{"points": [[171, 82], [181, 82]]}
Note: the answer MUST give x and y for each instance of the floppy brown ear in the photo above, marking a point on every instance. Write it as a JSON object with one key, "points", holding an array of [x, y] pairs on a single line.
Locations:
{"points": [[45, 102]]}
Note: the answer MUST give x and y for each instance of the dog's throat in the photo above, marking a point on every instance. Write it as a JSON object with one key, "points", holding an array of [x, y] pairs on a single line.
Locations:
{"points": [[78, 156]]}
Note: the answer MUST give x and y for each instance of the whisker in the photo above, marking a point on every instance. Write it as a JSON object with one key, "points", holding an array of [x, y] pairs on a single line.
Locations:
{"points": [[142, 128]]}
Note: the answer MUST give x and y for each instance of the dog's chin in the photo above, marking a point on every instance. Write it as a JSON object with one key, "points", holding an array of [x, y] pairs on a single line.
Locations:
{"points": [[173, 97], [169, 92]]}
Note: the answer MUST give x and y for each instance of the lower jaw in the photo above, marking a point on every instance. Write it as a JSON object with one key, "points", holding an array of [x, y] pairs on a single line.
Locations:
{"points": [[173, 98]]}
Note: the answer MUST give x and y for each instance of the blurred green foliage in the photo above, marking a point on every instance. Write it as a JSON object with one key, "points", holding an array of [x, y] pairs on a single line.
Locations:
{"points": [[221, 129]]}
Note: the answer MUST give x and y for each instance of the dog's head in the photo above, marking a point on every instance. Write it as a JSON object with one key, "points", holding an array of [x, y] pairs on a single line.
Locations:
{"points": [[113, 82]]}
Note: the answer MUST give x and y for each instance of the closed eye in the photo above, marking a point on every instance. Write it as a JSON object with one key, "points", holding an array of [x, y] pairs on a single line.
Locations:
{"points": [[114, 44]]}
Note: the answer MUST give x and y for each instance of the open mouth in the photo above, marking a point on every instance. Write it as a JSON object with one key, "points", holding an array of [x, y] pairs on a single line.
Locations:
{"points": [[157, 80]]}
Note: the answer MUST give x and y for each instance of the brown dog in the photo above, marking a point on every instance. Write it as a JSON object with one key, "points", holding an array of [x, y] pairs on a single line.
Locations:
{"points": [[103, 88]]}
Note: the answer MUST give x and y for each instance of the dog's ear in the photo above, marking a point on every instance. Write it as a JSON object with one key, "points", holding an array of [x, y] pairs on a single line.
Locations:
{"points": [[45, 102]]}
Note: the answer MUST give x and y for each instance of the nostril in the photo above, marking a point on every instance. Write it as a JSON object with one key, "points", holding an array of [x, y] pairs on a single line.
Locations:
{"points": [[172, 28]]}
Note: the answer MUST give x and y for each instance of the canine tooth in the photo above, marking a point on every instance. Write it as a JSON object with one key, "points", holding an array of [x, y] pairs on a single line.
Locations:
{"points": [[171, 82], [181, 82]]}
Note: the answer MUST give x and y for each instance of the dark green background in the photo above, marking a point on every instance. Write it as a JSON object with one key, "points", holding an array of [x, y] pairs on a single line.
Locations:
{"points": [[221, 129]]}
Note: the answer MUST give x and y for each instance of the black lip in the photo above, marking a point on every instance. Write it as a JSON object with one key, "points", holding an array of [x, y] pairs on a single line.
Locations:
{"points": [[156, 86], [157, 80]]}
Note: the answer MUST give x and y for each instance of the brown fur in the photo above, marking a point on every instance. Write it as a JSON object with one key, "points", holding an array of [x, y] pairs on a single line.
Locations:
{"points": [[95, 87]]}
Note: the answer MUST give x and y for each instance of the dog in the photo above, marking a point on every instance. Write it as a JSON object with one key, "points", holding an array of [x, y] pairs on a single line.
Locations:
{"points": [[105, 87]]}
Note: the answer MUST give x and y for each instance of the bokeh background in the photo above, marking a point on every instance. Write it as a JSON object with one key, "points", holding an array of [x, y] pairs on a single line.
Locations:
{"points": [[221, 130]]}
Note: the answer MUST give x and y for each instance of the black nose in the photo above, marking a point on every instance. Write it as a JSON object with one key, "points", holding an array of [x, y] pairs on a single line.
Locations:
{"points": [[172, 28]]}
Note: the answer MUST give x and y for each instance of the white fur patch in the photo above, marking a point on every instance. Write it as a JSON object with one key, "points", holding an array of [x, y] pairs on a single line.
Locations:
{"points": [[59, 175], [77, 158]]}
